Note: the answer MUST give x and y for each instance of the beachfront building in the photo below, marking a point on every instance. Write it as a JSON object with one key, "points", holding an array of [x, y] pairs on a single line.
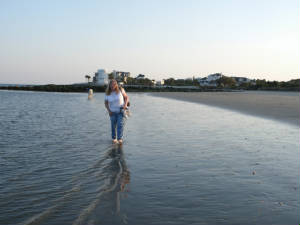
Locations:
{"points": [[140, 77], [121, 76], [214, 77], [210, 80], [203, 81], [160, 82], [243, 80], [100, 78]]}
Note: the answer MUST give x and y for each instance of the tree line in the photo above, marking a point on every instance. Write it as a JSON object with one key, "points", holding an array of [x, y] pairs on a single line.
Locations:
{"points": [[223, 82]]}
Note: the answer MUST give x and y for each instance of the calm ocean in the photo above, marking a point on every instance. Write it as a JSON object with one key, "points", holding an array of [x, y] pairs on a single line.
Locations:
{"points": [[181, 163]]}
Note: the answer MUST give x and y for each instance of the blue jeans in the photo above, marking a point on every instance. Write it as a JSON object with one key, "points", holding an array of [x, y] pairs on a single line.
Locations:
{"points": [[117, 123]]}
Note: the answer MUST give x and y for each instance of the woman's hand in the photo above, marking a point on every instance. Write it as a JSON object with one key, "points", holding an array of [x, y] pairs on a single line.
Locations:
{"points": [[110, 113]]}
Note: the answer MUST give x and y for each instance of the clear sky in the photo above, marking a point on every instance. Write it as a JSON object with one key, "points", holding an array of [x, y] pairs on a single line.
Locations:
{"points": [[61, 41]]}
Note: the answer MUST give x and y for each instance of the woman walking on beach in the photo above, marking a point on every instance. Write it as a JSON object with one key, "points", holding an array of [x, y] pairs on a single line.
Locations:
{"points": [[116, 101]]}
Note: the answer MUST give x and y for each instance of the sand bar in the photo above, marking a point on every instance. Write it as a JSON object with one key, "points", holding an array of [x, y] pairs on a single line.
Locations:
{"points": [[282, 106]]}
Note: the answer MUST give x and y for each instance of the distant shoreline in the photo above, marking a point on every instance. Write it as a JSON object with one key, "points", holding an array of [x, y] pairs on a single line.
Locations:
{"points": [[84, 88], [272, 105]]}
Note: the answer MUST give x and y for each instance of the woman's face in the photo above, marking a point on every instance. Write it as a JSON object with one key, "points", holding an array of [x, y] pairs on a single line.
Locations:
{"points": [[113, 85]]}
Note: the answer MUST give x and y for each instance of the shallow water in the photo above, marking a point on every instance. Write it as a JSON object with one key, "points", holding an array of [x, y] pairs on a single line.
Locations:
{"points": [[181, 163]]}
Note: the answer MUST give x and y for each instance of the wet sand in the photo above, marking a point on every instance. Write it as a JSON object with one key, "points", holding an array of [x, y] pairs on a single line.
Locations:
{"points": [[282, 106]]}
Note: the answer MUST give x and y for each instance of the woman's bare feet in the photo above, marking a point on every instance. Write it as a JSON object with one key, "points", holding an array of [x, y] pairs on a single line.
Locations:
{"points": [[120, 141], [114, 141]]}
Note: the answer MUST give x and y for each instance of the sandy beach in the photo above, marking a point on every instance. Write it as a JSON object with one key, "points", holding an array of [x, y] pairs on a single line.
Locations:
{"points": [[282, 106]]}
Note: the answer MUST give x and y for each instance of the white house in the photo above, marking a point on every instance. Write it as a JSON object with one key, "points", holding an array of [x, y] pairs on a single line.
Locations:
{"points": [[241, 80], [140, 77], [203, 81], [100, 78], [214, 77], [210, 80], [120, 75], [160, 82]]}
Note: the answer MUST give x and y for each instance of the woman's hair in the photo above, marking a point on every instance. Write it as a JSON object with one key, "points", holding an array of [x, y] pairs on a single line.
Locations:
{"points": [[108, 89]]}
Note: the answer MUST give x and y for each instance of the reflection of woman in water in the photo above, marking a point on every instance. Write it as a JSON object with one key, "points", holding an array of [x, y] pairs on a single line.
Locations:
{"points": [[122, 176], [115, 171]]}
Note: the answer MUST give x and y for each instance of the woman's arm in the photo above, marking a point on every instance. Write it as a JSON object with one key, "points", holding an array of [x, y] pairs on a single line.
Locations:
{"points": [[107, 107], [126, 98]]}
